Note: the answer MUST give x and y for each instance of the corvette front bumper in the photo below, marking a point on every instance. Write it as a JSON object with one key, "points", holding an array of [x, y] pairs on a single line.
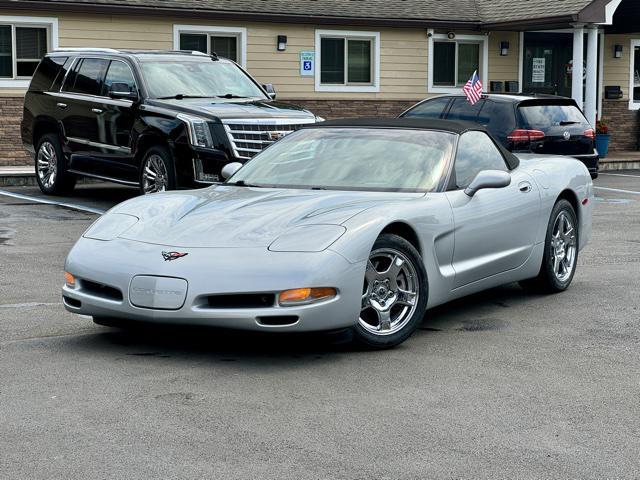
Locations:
{"points": [[179, 291]]}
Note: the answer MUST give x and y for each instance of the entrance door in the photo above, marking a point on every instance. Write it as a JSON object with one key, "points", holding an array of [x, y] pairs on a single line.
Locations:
{"points": [[548, 63]]}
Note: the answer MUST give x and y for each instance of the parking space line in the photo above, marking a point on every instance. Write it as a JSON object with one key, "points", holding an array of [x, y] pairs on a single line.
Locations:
{"points": [[617, 190], [52, 202], [620, 175]]}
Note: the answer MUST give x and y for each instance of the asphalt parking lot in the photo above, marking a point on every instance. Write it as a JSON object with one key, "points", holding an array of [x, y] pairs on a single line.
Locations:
{"points": [[503, 384]]}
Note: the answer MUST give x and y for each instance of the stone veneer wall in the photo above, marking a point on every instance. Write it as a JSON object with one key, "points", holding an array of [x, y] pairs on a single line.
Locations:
{"points": [[332, 109], [11, 151], [624, 124]]}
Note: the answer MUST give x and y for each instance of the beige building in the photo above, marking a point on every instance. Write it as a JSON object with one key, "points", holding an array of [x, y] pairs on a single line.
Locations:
{"points": [[348, 58]]}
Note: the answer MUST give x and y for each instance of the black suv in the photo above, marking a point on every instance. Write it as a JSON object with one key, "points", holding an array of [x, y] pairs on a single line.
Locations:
{"points": [[157, 120], [524, 124]]}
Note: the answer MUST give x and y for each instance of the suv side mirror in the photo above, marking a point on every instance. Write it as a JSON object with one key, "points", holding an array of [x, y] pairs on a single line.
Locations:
{"points": [[488, 179], [122, 91], [270, 89], [229, 169]]}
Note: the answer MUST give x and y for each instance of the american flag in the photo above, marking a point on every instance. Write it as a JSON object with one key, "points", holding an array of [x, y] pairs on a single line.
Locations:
{"points": [[473, 89]]}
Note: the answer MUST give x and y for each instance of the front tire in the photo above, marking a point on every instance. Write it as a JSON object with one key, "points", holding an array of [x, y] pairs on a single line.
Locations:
{"points": [[51, 168], [156, 171], [394, 298], [560, 251]]}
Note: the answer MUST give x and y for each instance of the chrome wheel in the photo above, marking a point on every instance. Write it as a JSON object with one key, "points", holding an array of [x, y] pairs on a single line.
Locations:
{"points": [[154, 175], [47, 164], [563, 247], [390, 292]]}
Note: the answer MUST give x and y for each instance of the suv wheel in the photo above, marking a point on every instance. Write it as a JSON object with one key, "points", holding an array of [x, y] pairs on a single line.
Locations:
{"points": [[51, 169], [156, 172]]}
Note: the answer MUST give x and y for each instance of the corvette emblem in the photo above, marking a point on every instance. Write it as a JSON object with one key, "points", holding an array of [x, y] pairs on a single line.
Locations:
{"points": [[566, 135], [169, 256]]}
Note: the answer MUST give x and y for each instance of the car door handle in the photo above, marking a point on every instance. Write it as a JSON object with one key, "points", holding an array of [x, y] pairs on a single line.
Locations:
{"points": [[97, 110], [61, 105], [525, 187]]}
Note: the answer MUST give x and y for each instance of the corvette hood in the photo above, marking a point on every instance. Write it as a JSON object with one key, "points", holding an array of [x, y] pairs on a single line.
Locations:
{"points": [[230, 216]]}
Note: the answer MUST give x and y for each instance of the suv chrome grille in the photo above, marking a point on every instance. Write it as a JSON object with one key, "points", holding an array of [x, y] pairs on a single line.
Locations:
{"points": [[249, 137]]}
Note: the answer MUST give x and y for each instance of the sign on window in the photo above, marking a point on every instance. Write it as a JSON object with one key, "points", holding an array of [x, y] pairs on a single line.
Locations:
{"points": [[307, 63], [538, 70]]}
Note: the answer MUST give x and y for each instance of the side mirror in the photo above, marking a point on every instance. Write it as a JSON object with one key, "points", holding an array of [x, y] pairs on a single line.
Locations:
{"points": [[229, 169], [270, 89], [122, 91], [488, 179]]}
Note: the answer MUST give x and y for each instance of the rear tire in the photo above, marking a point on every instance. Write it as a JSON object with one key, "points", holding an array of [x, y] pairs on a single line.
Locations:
{"points": [[394, 297], [560, 258], [156, 171], [51, 167]]}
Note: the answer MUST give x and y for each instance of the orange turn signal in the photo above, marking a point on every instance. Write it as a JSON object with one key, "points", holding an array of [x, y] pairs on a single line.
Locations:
{"points": [[69, 279], [302, 296]]}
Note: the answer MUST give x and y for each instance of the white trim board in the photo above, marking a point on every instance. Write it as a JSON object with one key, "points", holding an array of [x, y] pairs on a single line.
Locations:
{"points": [[51, 23], [240, 32], [375, 36], [484, 61]]}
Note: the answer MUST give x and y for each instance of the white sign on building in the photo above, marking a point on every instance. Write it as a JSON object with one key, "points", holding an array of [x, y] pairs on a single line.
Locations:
{"points": [[538, 70], [307, 63]]}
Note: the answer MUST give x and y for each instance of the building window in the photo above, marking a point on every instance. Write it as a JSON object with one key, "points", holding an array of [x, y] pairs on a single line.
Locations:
{"points": [[223, 41], [22, 46], [347, 61], [452, 62]]}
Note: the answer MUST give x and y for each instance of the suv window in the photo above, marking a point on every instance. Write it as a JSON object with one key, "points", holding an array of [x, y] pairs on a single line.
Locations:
{"points": [[118, 72], [463, 110], [543, 116], [498, 117], [429, 109], [476, 152], [46, 73], [87, 76]]}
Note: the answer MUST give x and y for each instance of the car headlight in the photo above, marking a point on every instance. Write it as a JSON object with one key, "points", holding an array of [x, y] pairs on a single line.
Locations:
{"points": [[307, 238], [110, 226], [319, 118], [198, 129]]}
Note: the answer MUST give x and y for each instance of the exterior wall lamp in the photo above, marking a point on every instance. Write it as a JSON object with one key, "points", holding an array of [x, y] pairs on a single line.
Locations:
{"points": [[282, 43], [504, 49], [617, 51]]}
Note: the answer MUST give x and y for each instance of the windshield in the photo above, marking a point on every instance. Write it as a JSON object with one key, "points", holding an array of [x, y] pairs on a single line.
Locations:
{"points": [[168, 79], [352, 159]]}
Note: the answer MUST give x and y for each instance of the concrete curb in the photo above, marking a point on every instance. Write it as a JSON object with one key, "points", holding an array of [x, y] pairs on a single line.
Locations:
{"points": [[26, 177]]}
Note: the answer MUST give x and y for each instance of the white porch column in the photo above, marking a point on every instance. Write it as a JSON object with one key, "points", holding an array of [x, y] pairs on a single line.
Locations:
{"points": [[591, 100], [578, 56]]}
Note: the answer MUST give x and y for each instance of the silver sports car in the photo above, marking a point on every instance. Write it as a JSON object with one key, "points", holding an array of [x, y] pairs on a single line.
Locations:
{"points": [[359, 224]]}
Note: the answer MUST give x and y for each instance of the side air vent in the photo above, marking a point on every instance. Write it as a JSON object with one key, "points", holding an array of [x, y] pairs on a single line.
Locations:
{"points": [[278, 320], [249, 300], [100, 290]]}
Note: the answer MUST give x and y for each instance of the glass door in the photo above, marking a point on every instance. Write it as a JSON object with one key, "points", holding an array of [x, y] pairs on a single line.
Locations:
{"points": [[548, 66]]}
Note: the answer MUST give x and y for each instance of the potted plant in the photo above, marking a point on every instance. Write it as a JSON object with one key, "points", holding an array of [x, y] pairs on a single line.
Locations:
{"points": [[602, 138]]}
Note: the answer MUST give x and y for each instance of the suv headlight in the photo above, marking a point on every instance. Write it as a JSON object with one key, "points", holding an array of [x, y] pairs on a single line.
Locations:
{"points": [[198, 129]]}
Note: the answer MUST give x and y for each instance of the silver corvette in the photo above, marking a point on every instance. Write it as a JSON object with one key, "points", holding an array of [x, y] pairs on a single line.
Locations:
{"points": [[361, 224]]}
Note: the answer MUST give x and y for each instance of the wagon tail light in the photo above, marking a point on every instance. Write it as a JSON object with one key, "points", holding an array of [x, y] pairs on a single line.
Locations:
{"points": [[590, 133], [525, 136]]}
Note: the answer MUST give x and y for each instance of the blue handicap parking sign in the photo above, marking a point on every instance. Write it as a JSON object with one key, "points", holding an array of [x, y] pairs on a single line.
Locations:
{"points": [[307, 65]]}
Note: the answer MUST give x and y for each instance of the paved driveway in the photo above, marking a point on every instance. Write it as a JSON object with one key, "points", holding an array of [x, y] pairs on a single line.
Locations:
{"points": [[498, 385]]}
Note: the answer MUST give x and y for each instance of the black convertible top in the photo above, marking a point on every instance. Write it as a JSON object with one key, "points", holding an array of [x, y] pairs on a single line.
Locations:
{"points": [[456, 127]]}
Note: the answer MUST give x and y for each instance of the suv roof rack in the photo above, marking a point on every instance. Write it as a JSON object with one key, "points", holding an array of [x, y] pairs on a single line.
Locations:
{"points": [[87, 49]]}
